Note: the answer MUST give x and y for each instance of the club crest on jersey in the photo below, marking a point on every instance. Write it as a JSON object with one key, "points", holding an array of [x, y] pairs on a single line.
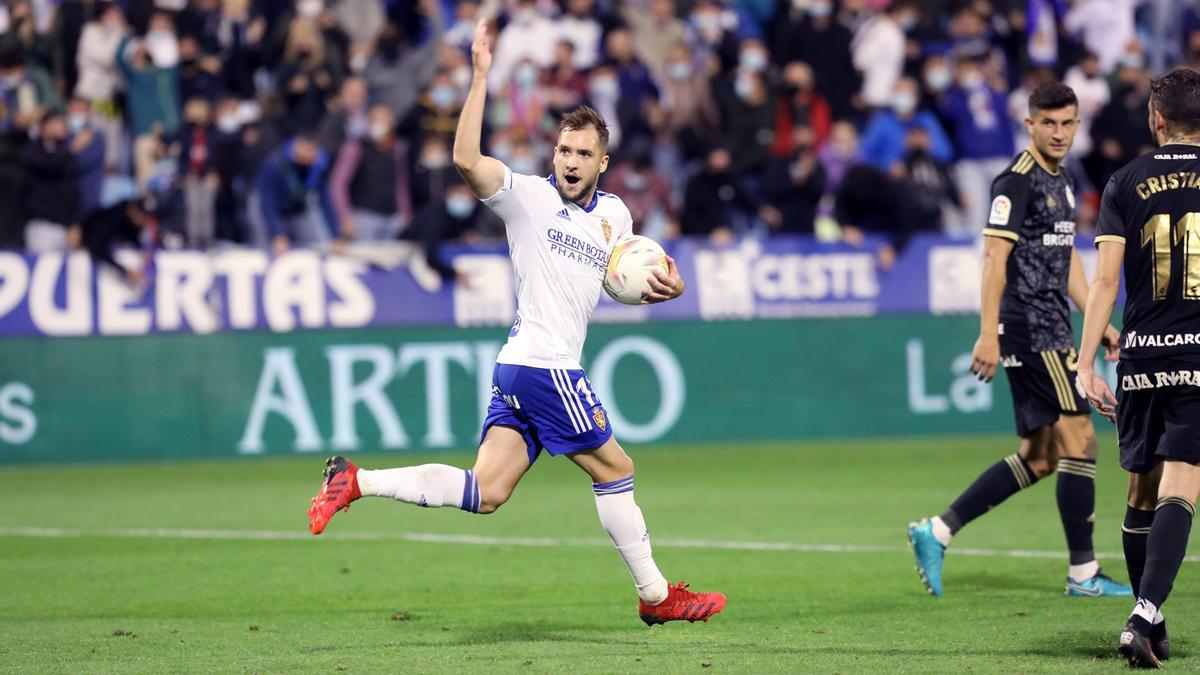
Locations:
{"points": [[598, 415], [1001, 208], [607, 229], [1070, 197]]}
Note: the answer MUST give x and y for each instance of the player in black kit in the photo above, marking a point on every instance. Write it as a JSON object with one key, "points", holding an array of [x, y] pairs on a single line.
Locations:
{"points": [[1030, 268], [1150, 223]]}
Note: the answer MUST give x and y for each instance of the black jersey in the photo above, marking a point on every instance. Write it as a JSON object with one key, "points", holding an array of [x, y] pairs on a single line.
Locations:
{"points": [[1152, 205], [1035, 209]]}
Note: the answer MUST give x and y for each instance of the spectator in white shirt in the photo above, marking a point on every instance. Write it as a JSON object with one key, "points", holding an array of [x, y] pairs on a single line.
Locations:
{"points": [[580, 27], [878, 49], [527, 36]]}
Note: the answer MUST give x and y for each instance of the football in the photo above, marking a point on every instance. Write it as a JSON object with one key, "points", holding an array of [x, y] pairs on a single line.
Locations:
{"points": [[629, 269]]}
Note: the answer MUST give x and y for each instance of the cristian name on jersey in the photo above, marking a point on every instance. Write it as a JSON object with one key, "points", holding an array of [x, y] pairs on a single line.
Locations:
{"points": [[560, 252], [1152, 205], [1034, 209]]}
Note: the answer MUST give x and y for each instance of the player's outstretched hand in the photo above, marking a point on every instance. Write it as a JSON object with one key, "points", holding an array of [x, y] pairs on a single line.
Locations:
{"points": [[481, 49], [985, 357], [1111, 341], [664, 287], [1096, 390]]}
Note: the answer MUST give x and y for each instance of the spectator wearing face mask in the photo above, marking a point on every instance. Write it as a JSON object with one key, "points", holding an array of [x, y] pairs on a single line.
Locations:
{"points": [[926, 188], [976, 111], [800, 107], [627, 121], [878, 50], [1093, 92], [51, 188], [795, 183], [308, 75], [690, 117], [811, 34], [454, 215], [99, 77], [579, 28], [526, 37], [1120, 132], [565, 85], [26, 94], [23, 36], [399, 70], [348, 121], [89, 148], [198, 152], [291, 203], [840, 154], [235, 37], [747, 112], [151, 70], [200, 74], [647, 194], [633, 76], [713, 34], [655, 30], [883, 140], [369, 184], [715, 205], [431, 172], [523, 109], [437, 110]]}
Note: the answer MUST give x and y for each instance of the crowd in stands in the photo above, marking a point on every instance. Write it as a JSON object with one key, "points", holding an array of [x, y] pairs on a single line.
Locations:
{"points": [[277, 123]]}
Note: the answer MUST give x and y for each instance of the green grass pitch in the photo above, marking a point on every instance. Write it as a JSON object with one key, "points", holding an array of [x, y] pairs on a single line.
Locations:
{"points": [[128, 583]]}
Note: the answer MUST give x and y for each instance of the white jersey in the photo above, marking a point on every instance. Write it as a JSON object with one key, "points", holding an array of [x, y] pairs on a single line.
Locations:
{"points": [[560, 253]]}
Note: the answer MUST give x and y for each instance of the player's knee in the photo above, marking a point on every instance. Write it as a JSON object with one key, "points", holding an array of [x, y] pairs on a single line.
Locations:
{"points": [[1042, 466]]}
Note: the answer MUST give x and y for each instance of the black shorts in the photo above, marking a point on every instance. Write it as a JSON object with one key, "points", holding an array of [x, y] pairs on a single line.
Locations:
{"points": [[1158, 413], [1043, 388]]}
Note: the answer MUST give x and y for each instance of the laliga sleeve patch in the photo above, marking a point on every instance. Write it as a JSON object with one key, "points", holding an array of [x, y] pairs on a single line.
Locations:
{"points": [[1001, 208]]}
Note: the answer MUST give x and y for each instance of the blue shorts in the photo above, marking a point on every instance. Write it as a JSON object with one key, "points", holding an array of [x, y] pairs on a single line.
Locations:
{"points": [[553, 409]]}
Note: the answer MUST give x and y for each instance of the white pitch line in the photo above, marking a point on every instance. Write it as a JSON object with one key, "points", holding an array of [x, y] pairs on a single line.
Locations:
{"points": [[478, 540]]}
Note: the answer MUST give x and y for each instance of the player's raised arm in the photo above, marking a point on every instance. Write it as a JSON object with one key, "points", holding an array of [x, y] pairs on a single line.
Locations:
{"points": [[986, 355], [485, 175]]}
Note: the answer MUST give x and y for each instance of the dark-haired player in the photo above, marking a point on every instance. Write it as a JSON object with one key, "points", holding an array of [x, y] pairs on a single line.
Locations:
{"points": [[1150, 224], [1030, 267], [561, 233]]}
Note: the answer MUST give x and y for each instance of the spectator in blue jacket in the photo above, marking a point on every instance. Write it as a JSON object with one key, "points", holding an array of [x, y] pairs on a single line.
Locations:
{"points": [[90, 148], [291, 203], [976, 111], [882, 142]]}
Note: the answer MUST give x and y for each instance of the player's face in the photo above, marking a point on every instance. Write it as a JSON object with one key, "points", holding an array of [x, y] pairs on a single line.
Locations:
{"points": [[1053, 131], [578, 162]]}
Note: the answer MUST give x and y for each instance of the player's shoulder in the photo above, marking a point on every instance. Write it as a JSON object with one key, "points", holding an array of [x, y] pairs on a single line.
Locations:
{"points": [[1018, 173], [609, 203]]}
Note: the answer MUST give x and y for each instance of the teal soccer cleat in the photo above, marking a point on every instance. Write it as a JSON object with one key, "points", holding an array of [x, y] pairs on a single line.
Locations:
{"points": [[1100, 585], [929, 552]]}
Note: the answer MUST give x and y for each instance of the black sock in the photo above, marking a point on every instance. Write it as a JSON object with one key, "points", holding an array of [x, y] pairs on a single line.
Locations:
{"points": [[999, 482], [1165, 548], [1134, 533], [1076, 505]]}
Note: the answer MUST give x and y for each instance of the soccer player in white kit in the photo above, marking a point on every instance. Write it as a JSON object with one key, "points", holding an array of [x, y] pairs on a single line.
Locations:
{"points": [[561, 232]]}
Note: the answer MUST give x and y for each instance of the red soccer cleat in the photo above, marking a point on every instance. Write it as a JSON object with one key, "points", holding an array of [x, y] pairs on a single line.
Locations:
{"points": [[682, 605], [337, 491]]}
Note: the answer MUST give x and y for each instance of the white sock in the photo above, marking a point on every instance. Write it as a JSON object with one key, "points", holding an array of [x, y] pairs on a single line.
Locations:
{"points": [[1158, 618], [941, 531], [623, 521], [1145, 609], [431, 485], [1084, 571]]}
